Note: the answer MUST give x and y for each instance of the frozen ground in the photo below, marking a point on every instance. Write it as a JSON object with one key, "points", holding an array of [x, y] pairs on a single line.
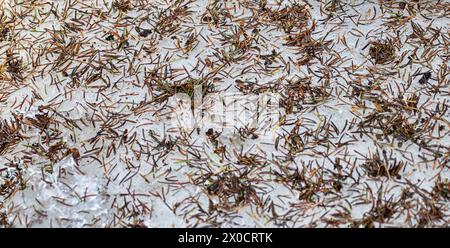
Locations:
{"points": [[87, 139]]}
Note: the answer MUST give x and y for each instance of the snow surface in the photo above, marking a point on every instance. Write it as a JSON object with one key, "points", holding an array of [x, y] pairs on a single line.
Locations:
{"points": [[139, 184]]}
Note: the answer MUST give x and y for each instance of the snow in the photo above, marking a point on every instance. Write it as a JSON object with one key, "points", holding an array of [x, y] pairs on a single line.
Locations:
{"points": [[124, 178]]}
